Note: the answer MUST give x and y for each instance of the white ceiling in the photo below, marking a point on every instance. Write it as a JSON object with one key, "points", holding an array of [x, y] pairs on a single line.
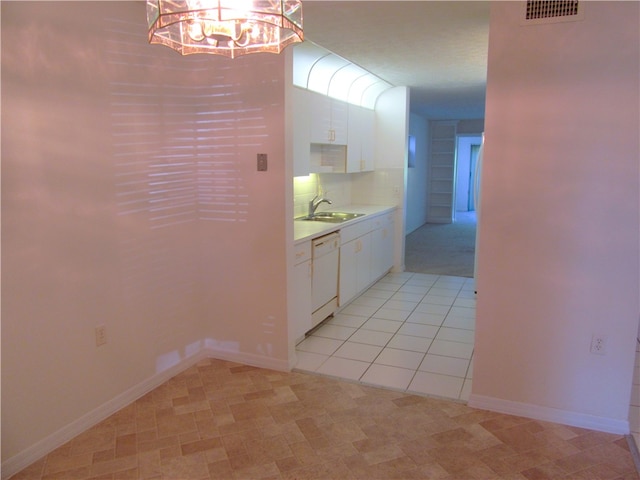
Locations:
{"points": [[437, 48]]}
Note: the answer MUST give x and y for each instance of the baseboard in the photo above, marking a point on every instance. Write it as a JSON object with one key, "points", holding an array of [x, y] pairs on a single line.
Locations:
{"points": [[225, 352], [633, 448], [211, 350], [563, 417], [66, 433]]}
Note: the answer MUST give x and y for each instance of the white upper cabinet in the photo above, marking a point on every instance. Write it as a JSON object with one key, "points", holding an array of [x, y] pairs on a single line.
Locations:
{"points": [[330, 135], [360, 139], [329, 120]]}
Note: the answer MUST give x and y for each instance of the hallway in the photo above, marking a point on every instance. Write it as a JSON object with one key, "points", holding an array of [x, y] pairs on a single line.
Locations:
{"points": [[443, 248]]}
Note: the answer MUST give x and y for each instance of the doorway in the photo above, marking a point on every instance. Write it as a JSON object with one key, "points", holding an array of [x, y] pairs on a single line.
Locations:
{"points": [[467, 150]]}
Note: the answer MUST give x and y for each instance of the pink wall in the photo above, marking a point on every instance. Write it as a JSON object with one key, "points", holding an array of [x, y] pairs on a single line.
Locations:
{"points": [[558, 257], [130, 198]]}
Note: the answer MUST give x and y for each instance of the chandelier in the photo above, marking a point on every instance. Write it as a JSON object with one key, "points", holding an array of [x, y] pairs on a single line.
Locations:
{"points": [[225, 27]]}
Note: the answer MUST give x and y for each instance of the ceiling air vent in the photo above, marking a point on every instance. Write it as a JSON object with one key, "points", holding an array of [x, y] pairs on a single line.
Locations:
{"points": [[552, 11]]}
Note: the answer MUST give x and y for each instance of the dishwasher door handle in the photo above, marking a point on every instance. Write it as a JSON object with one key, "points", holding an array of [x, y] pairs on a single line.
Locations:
{"points": [[320, 244], [326, 244]]}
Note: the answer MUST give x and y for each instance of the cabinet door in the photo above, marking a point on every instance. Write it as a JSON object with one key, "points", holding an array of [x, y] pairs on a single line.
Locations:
{"points": [[382, 245], [387, 247], [367, 160], [360, 139], [328, 120], [301, 300], [339, 121], [320, 118], [355, 268], [382, 250], [348, 272], [363, 263], [301, 132]]}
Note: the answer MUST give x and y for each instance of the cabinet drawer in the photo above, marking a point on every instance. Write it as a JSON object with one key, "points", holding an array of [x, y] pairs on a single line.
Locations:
{"points": [[302, 252], [382, 221], [354, 231]]}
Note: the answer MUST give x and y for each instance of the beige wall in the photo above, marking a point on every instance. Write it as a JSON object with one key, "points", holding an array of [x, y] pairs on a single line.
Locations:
{"points": [[130, 198], [558, 255]]}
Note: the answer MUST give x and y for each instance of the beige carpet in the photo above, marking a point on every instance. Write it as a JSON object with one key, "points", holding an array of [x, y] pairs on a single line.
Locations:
{"points": [[443, 249]]}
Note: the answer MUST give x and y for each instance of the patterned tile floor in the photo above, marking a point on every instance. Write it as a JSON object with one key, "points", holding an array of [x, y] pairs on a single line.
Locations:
{"points": [[410, 331], [222, 420]]}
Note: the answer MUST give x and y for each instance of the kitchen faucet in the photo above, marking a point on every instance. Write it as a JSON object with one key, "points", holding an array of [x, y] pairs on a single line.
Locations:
{"points": [[313, 204]]}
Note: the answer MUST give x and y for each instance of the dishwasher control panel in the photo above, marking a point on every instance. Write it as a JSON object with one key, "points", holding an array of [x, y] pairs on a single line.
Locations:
{"points": [[325, 244]]}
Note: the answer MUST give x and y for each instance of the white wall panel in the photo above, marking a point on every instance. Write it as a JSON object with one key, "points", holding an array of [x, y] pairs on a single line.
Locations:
{"points": [[130, 198], [559, 243]]}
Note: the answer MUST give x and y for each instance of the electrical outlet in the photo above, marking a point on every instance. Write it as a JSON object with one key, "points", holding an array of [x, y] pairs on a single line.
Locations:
{"points": [[599, 344], [101, 335]]}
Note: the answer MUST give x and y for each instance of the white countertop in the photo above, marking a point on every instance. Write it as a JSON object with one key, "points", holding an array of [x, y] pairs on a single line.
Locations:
{"points": [[304, 230]]}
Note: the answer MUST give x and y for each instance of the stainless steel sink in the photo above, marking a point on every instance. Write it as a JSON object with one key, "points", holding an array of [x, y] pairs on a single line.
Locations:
{"points": [[330, 217]]}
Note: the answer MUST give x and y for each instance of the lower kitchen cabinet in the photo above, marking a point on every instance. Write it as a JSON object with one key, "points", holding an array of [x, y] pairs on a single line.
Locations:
{"points": [[302, 296], [382, 246], [366, 254], [355, 267]]}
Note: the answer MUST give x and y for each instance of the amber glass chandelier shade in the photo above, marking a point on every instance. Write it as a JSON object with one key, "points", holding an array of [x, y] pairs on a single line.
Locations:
{"points": [[225, 27]]}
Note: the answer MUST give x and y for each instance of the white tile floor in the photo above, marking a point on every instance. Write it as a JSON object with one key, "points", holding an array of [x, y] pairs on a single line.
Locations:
{"points": [[412, 332]]}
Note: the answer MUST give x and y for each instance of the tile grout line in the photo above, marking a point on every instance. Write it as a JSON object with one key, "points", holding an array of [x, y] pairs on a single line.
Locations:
{"points": [[394, 333], [436, 336], [397, 287], [417, 369], [387, 343], [432, 340]]}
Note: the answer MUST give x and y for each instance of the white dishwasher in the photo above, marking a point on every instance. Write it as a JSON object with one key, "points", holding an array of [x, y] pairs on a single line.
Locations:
{"points": [[324, 281]]}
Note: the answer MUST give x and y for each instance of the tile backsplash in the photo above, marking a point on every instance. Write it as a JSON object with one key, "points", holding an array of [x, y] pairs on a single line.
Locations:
{"points": [[381, 187], [335, 187]]}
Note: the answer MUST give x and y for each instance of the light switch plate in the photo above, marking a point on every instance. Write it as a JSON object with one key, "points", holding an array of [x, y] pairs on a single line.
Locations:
{"points": [[101, 335], [262, 162]]}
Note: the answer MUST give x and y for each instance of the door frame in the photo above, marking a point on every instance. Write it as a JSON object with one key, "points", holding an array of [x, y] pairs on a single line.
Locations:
{"points": [[464, 174]]}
